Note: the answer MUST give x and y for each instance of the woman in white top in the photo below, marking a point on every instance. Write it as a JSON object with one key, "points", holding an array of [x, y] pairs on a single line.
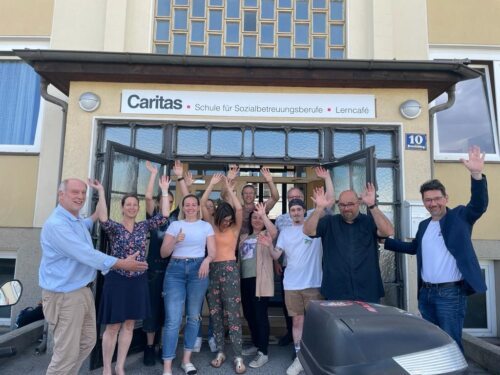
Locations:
{"points": [[186, 280]]}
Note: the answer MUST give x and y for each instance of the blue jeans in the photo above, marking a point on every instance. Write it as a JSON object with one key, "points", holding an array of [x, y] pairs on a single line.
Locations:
{"points": [[445, 307], [210, 332], [182, 287]]}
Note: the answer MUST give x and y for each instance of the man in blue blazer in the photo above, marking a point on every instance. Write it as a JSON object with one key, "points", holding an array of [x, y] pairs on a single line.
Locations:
{"points": [[448, 269]]}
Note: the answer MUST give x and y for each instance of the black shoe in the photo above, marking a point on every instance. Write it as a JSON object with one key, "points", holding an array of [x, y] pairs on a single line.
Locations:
{"points": [[285, 340], [149, 356]]}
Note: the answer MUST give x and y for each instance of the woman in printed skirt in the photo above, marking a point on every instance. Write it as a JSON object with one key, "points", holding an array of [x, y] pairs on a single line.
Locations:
{"points": [[186, 280], [257, 283], [125, 296], [224, 290]]}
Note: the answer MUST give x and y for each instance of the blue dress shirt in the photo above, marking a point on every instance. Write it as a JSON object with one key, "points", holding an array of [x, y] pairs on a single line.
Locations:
{"points": [[69, 260]]}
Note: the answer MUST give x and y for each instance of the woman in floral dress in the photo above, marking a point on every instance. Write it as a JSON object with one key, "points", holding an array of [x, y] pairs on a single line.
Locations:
{"points": [[125, 296]]}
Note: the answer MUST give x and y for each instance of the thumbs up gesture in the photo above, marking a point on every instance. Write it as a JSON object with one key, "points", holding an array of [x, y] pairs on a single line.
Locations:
{"points": [[180, 236]]}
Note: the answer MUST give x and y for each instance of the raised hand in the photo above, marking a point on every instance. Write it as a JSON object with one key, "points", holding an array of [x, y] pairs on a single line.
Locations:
{"points": [[164, 183], [475, 164], [260, 208], [188, 178], [95, 184], [177, 169], [322, 172], [233, 171], [180, 236], [216, 178], [320, 199], [151, 168], [369, 195], [230, 184], [266, 174]]}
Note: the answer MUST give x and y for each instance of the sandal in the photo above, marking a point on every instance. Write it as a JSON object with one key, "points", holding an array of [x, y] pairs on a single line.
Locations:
{"points": [[218, 360], [189, 368], [239, 365]]}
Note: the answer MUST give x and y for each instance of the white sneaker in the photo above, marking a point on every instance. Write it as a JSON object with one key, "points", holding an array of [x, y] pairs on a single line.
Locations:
{"points": [[295, 368], [250, 351], [197, 345], [212, 344], [260, 360]]}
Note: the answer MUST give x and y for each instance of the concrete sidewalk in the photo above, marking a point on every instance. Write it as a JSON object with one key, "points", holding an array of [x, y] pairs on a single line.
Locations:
{"points": [[279, 359]]}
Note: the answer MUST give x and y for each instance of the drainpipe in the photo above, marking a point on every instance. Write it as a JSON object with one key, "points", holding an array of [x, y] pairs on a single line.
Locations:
{"points": [[64, 106], [432, 112]]}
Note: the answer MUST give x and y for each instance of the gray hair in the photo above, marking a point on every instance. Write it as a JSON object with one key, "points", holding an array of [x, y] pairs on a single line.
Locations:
{"points": [[64, 184]]}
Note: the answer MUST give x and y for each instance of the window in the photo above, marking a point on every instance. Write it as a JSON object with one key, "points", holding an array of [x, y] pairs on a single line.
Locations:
{"points": [[480, 318], [470, 121], [287, 28], [197, 31], [20, 106]]}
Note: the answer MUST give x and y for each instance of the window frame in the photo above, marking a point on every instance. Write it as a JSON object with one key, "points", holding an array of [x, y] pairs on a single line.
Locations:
{"points": [[35, 147], [489, 275], [480, 54]]}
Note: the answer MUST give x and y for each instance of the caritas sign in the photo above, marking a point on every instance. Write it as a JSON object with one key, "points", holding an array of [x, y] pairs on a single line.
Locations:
{"points": [[202, 103]]}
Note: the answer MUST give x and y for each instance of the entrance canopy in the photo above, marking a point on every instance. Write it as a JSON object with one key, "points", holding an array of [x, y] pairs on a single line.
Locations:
{"points": [[59, 68]]}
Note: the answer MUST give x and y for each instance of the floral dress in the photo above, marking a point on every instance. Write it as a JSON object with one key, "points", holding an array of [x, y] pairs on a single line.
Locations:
{"points": [[125, 294]]}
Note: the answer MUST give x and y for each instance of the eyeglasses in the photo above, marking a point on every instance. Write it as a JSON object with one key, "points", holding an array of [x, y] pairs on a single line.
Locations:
{"points": [[346, 205], [430, 200], [294, 197]]}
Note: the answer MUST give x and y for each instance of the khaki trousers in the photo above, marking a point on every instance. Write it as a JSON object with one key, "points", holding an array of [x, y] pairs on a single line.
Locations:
{"points": [[71, 316]]}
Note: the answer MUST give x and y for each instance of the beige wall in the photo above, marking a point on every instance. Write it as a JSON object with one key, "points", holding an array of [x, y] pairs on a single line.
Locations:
{"points": [[464, 22], [456, 179], [17, 190], [26, 18], [79, 138], [387, 29], [103, 25]]}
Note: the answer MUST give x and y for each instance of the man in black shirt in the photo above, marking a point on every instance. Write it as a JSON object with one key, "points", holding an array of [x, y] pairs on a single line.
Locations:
{"points": [[350, 250]]}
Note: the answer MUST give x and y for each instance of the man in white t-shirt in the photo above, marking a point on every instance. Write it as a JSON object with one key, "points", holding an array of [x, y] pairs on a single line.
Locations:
{"points": [[303, 272]]}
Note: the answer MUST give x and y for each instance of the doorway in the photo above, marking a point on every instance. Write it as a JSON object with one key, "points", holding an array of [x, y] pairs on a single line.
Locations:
{"points": [[122, 150]]}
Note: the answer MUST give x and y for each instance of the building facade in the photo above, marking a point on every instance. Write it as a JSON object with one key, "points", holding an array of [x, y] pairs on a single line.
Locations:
{"points": [[285, 84]]}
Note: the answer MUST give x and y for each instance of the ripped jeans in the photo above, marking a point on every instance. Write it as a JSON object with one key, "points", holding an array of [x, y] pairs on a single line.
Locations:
{"points": [[182, 287]]}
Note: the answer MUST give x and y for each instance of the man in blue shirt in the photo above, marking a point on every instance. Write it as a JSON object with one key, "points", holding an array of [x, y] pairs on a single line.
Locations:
{"points": [[448, 268], [67, 270]]}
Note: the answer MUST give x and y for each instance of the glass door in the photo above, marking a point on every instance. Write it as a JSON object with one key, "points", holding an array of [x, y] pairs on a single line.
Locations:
{"points": [[353, 171], [124, 172]]}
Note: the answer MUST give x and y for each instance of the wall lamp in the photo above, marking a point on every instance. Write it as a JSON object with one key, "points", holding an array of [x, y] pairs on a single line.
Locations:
{"points": [[410, 109], [89, 101]]}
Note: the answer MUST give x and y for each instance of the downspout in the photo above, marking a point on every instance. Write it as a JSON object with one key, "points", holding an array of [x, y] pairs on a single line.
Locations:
{"points": [[64, 106], [432, 112]]}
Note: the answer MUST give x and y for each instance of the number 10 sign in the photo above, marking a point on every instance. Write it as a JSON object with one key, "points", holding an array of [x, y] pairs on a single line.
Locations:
{"points": [[416, 141]]}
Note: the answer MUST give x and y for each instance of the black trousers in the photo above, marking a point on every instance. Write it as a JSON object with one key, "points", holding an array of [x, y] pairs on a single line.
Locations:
{"points": [[255, 312]]}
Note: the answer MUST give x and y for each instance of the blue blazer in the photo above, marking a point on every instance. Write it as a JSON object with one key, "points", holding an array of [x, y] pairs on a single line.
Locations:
{"points": [[456, 228]]}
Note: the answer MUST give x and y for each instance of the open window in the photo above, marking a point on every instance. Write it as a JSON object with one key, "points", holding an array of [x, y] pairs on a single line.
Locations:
{"points": [[353, 171]]}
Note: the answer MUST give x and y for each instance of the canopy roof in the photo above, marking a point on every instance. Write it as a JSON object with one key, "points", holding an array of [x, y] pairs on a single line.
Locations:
{"points": [[60, 68]]}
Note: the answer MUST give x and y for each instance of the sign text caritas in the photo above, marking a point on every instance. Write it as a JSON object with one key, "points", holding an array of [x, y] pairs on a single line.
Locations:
{"points": [[158, 102]]}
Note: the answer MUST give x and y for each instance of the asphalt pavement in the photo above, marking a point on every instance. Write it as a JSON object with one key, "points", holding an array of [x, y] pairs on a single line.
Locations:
{"points": [[279, 359]]}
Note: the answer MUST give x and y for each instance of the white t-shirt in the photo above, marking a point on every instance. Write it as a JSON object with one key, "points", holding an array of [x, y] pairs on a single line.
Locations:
{"points": [[196, 233], [303, 255], [438, 265]]}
